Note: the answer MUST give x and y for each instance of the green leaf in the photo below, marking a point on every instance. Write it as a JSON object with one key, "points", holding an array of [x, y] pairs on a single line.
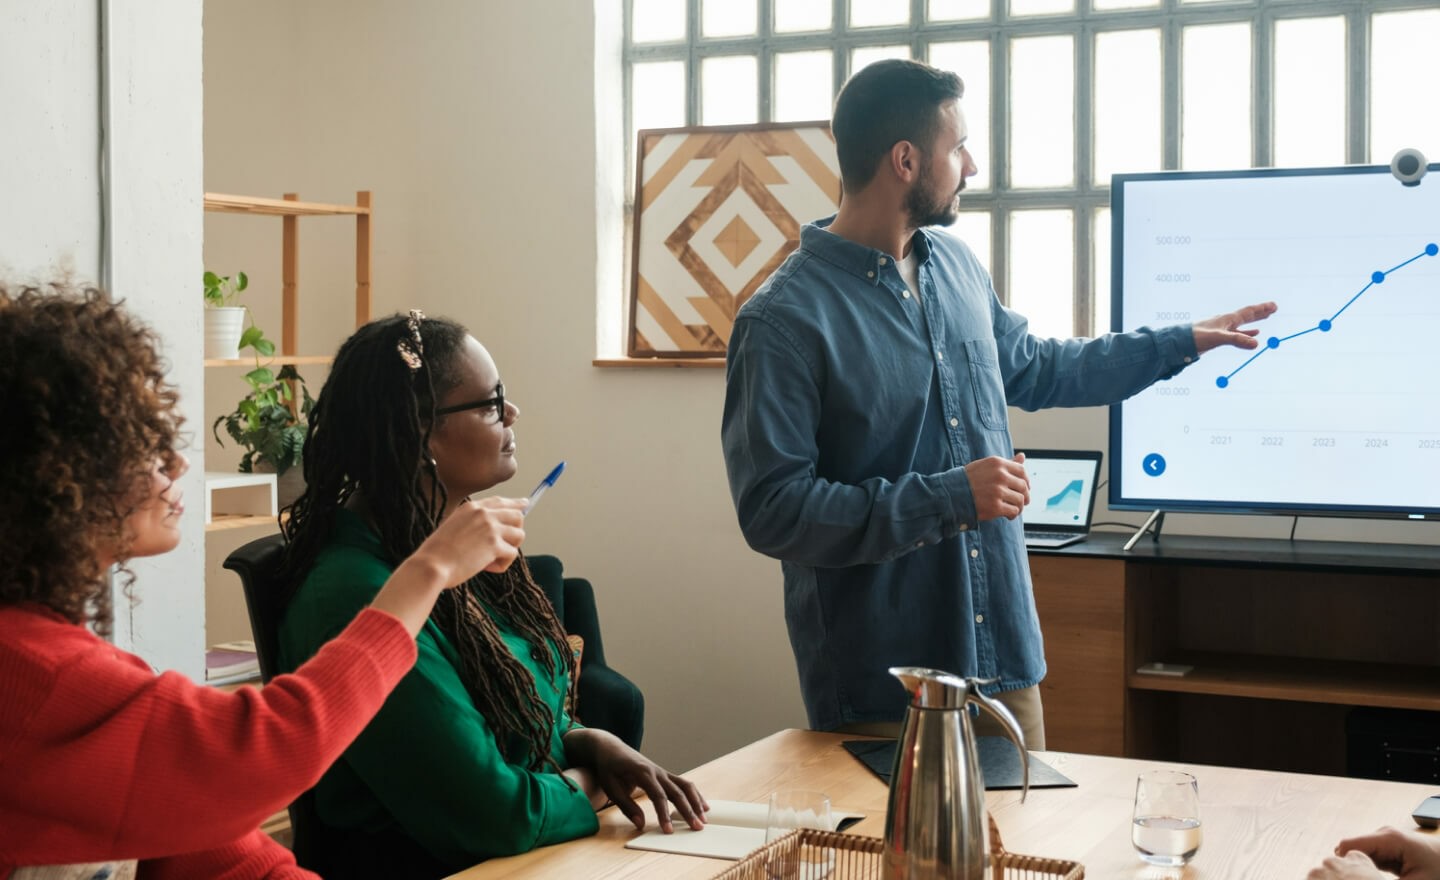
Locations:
{"points": [[260, 376], [241, 282], [265, 347], [251, 336], [212, 280]]}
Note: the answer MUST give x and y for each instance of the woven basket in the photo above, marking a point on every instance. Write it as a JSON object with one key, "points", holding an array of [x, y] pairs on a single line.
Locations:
{"points": [[829, 855]]}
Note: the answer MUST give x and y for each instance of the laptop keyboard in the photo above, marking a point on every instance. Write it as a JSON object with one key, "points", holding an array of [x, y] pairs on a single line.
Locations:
{"points": [[1049, 536]]}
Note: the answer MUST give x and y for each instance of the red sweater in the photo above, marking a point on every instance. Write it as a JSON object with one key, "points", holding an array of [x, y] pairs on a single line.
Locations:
{"points": [[101, 759]]}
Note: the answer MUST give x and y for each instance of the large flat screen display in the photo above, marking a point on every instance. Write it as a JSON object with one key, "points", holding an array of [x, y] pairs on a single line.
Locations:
{"points": [[1338, 411]]}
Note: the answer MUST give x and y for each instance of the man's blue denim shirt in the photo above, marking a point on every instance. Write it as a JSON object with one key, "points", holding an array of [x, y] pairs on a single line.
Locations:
{"points": [[851, 409]]}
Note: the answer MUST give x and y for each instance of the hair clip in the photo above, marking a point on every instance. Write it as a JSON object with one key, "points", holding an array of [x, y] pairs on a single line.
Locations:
{"points": [[412, 350]]}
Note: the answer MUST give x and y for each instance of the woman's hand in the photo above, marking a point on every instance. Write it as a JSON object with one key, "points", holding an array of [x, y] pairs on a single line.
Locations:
{"points": [[1406, 854], [477, 535], [620, 770]]}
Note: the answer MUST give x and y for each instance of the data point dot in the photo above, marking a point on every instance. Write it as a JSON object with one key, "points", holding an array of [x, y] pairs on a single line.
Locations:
{"points": [[1432, 249], [1325, 326], [1273, 342], [1377, 277], [1222, 382]]}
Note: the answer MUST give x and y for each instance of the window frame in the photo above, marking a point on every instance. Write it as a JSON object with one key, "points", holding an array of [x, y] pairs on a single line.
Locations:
{"points": [[999, 199]]}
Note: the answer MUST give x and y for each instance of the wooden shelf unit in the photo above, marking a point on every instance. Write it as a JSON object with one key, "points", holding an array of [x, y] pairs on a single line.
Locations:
{"points": [[290, 209], [296, 359], [1283, 636]]}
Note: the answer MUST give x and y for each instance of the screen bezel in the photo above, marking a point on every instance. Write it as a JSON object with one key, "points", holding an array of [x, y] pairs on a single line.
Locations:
{"points": [[1118, 501]]}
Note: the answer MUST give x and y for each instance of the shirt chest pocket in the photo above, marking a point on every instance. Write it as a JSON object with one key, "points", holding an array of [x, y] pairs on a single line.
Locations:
{"points": [[986, 386]]}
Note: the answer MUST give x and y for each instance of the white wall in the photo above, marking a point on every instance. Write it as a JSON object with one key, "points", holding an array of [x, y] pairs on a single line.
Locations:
{"points": [[476, 125], [51, 63], [49, 99]]}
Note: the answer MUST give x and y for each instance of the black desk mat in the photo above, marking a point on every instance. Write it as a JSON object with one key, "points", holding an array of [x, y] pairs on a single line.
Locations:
{"points": [[999, 763]]}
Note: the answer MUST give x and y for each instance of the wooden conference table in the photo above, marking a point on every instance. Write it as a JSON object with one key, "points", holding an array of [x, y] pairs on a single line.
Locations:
{"points": [[1258, 824]]}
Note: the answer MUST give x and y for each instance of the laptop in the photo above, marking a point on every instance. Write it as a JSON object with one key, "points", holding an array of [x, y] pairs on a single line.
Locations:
{"points": [[1062, 496]]}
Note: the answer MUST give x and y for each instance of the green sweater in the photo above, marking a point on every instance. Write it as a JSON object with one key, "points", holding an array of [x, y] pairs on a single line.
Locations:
{"points": [[429, 765]]}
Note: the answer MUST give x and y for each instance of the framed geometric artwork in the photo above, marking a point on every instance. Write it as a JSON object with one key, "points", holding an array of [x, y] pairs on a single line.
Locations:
{"points": [[717, 209]]}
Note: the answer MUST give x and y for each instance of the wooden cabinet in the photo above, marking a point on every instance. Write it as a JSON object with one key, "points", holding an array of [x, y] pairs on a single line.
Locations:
{"points": [[1285, 639]]}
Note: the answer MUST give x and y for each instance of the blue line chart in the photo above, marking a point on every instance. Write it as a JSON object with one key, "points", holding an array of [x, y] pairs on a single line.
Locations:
{"points": [[1325, 325]]}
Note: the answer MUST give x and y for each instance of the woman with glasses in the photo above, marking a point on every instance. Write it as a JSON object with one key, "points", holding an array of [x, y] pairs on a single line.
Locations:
{"points": [[108, 770], [474, 755]]}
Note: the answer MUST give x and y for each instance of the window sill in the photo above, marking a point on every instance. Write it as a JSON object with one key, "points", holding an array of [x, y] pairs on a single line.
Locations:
{"points": [[623, 362]]}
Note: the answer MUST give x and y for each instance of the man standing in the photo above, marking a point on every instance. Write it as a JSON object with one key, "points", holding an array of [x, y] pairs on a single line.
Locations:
{"points": [[865, 427]]}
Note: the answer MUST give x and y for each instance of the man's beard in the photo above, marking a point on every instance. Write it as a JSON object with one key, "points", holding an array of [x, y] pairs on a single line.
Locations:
{"points": [[926, 210]]}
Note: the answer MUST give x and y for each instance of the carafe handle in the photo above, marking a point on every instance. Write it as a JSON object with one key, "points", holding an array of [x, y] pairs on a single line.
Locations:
{"points": [[1011, 728]]}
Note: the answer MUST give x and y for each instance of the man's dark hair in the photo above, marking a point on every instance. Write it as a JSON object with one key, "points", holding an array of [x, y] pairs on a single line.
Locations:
{"points": [[887, 102]]}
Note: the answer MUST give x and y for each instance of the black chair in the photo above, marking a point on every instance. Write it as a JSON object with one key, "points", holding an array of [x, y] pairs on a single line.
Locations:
{"points": [[258, 564], [607, 700]]}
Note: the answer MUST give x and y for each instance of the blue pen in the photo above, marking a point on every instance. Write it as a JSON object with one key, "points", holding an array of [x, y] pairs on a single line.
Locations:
{"points": [[544, 484]]}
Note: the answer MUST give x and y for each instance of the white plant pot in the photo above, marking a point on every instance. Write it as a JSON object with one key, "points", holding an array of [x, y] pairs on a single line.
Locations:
{"points": [[223, 328]]}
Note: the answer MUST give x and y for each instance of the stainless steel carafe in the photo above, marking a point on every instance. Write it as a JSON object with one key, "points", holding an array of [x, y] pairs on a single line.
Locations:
{"points": [[935, 824]]}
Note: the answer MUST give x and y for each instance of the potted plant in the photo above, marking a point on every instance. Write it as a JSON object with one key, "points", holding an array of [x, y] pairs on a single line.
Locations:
{"points": [[268, 422], [224, 319]]}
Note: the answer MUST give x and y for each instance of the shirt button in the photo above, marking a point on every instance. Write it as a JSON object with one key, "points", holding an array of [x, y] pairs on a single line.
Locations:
{"points": [[870, 274], [939, 355], [905, 294], [1187, 360], [919, 543], [974, 553], [964, 527], [881, 261], [979, 618], [954, 423]]}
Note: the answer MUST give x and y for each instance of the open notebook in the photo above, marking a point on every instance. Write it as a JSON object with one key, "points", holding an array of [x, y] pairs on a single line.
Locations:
{"points": [[733, 830]]}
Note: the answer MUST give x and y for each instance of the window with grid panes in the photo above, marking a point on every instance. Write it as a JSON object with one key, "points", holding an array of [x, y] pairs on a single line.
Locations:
{"points": [[1059, 95]]}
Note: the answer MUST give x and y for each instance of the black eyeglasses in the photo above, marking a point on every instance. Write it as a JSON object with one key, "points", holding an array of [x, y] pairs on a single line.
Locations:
{"points": [[498, 402]]}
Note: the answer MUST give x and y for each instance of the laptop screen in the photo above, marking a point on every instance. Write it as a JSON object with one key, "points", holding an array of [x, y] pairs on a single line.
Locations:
{"points": [[1062, 489]]}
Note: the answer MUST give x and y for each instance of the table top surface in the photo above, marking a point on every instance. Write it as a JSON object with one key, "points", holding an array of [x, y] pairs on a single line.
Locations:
{"points": [[1257, 824]]}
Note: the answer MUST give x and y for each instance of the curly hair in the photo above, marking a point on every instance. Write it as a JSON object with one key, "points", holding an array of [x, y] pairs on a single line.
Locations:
{"points": [[370, 433], [87, 413]]}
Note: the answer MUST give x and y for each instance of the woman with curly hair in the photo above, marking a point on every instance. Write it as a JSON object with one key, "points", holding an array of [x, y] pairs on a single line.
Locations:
{"points": [[107, 769], [474, 755]]}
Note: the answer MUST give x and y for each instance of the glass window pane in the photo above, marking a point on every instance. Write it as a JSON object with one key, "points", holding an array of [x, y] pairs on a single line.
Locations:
{"points": [[1310, 91], [864, 56], [1215, 97], [728, 89], [657, 96], [1127, 103], [973, 228], [1404, 67], [879, 13], [656, 21], [1042, 270], [1041, 7], [802, 86], [1100, 277], [971, 60], [1124, 4], [958, 10], [801, 15], [1042, 111], [727, 18]]}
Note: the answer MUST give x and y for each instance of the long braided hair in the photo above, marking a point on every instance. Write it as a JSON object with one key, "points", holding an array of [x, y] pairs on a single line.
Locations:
{"points": [[369, 432]]}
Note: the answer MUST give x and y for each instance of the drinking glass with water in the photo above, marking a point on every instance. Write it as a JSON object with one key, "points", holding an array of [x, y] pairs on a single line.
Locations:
{"points": [[1167, 817]]}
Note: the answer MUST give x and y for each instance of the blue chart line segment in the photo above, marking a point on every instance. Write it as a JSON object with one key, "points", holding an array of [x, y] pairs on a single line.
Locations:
{"points": [[1326, 324]]}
